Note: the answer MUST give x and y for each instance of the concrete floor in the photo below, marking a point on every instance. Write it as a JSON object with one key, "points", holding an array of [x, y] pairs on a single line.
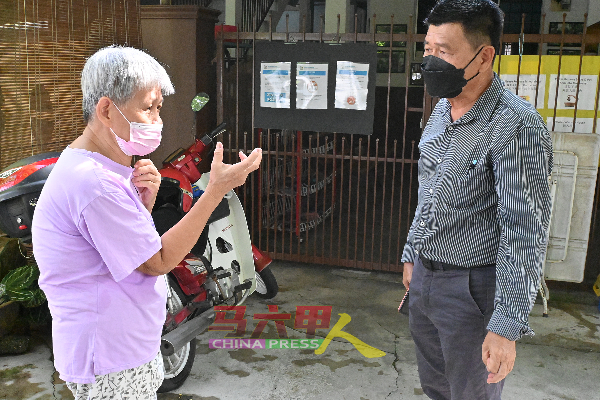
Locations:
{"points": [[561, 362]]}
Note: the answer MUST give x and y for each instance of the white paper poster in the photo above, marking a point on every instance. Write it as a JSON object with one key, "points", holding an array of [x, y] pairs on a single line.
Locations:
{"points": [[275, 84], [527, 87], [565, 124], [351, 85], [311, 86], [567, 92]]}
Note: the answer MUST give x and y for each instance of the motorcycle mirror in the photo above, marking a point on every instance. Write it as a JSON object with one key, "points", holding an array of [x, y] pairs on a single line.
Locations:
{"points": [[199, 101]]}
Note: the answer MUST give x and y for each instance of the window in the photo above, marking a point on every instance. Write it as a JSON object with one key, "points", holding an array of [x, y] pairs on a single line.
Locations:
{"points": [[513, 18]]}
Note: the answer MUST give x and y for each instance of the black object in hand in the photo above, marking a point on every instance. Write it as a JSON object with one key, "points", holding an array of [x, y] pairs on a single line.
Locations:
{"points": [[403, 307]]}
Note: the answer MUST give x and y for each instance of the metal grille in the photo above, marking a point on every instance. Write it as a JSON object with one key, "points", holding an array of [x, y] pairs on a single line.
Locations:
{"points": [[201, 3], [332, 198], [43, 47], [254, 13]]}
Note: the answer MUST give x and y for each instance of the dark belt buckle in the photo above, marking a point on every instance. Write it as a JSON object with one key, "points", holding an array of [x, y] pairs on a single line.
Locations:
{"points": [[440, 266], [452, 267], [427, 263]]}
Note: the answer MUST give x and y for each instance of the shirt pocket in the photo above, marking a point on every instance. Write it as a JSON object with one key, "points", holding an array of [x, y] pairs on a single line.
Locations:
{"points": [[474, 171], [470, 185]]}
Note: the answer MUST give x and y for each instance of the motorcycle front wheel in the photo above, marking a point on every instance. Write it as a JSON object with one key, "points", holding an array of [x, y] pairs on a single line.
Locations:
{"points": [[266, 284], [178, 365]]}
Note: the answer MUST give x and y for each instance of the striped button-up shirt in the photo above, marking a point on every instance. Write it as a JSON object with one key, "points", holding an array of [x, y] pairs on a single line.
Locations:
{"points": [[484, 198]]}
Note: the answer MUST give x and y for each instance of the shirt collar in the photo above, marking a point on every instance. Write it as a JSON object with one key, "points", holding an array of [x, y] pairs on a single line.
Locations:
{"points": [[106, 162], [484, 106]]}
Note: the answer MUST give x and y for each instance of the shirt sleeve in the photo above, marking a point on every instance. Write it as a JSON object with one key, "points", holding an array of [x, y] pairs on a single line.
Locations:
{"points": [[521, 172], [123, 235], [409, 254]]}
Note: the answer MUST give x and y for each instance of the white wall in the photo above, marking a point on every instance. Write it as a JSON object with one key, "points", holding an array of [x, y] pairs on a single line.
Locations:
{"points": [[402, 9], [593, 12], [332, 9], [231, 11], [575, 14]]}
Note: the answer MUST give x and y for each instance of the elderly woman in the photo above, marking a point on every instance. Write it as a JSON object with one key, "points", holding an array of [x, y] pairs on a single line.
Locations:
{"points": [[99, 255]]}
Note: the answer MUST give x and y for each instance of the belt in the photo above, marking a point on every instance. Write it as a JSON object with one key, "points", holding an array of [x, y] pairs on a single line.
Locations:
{"points": [[442, 266]]}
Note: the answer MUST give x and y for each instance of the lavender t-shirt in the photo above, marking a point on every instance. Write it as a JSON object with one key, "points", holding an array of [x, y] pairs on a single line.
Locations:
{"points": [[90, 233]]}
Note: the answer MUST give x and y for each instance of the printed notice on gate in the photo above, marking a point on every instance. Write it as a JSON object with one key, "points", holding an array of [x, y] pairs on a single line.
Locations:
{"points": [[311, 86], [275, 84], [569, 96], [528, 86], [351, 85], [565, 124]]}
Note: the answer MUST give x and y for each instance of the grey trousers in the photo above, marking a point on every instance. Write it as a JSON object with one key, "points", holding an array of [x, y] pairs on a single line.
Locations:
{"points": [[448, 315]]}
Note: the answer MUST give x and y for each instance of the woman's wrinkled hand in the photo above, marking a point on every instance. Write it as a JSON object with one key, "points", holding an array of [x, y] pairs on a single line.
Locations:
{"points": [[146, 179], [225, 177]]}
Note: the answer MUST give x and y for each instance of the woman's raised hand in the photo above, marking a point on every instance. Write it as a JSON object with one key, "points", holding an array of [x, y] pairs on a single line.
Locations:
{"points": [[224, 177], [146, 179]]}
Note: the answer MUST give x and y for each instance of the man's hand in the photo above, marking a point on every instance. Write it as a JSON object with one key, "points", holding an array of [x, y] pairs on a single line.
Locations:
{"points": [[498, 354], [225, 177], [407, 274], [146, 179]]}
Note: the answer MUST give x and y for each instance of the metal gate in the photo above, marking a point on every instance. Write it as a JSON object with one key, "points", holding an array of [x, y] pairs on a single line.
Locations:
{"points": [[334, 198]]}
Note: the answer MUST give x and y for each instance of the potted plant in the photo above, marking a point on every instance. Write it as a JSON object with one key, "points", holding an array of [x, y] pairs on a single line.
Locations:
{"points": [[18, 288], [20, 285]]}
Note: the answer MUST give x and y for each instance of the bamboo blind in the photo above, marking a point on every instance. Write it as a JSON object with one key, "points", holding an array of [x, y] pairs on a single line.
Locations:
{"points": [[43, 47]]}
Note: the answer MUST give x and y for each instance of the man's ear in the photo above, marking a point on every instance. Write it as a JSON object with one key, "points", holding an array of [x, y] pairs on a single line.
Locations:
{"points": [[487, 56], [103, 111]]}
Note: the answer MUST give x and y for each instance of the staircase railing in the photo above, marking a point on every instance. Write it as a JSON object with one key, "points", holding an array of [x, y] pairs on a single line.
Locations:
{"points": [[201, 3], [254, 13]]}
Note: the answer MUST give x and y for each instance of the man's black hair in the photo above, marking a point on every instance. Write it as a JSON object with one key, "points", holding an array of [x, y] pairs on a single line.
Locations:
{"points": [[482, 20]]}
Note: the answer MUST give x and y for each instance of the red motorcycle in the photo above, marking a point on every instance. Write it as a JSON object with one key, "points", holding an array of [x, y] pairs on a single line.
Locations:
{"points": [[223, 268]]}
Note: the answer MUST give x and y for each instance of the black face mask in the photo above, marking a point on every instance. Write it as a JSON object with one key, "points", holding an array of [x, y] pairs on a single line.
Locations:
{"points": [[443, 79]]}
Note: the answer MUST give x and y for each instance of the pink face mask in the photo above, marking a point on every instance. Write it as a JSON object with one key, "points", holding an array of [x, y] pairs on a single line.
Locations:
{"points": [[143, 138]]}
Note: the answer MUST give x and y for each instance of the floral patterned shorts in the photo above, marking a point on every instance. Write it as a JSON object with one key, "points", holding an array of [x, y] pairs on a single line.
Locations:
{"points": [[136, 383]]}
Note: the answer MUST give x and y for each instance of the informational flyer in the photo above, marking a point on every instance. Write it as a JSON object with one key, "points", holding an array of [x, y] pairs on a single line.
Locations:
{"points": [[275, 84], [351, 85], [568, 95], [311, 86], [565, 124], [527, 87]]}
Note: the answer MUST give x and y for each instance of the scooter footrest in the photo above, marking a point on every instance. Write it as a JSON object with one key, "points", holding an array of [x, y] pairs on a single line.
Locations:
{"points": [[243, 286]]}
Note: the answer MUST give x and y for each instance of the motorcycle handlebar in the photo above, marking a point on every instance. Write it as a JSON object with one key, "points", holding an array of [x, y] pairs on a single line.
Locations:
{"points": [[209, 137]]}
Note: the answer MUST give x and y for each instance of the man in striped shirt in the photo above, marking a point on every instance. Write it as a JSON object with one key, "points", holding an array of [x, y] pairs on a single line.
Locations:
{"points": [[476, 247]]}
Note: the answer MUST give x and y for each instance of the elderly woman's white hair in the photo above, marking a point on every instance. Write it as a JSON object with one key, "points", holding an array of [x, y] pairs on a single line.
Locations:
{"points": [[119, 73]]}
